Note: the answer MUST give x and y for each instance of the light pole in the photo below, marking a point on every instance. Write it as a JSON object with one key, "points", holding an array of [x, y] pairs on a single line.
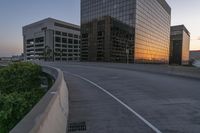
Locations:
{"points": [[127, 54]]}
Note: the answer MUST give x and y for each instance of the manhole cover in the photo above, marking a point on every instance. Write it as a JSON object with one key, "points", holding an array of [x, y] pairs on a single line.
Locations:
{"points": [[80, 126]]}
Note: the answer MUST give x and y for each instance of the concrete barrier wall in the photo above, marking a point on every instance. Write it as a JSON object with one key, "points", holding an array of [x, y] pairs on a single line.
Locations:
{"points": [[51, 113], [197, 63]]}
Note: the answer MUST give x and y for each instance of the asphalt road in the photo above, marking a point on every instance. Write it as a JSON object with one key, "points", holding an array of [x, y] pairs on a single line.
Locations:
{"points": [[112, 100]]}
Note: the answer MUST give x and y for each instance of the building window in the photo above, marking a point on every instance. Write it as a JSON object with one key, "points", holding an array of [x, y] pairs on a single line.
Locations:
{"points": [[64, 46], [58, 45], [75, 41], [57, 50], [39, 39], [58, 39], [70, 41], [70, 46], [64, 54], [58, 59], [70, 50], [64, 34], [70, 35], [58, 33], [39, 45], [39, 50], [75, 36], [30, 41], [64, 50], [64, 40]]}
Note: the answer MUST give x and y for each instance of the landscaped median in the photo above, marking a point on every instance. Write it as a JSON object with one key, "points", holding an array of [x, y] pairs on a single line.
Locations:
{"points": [[26, 103]]}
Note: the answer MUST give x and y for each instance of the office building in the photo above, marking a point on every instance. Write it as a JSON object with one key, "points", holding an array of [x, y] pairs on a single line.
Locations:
{"points": [[125, 31], [17, 57], [179, 45], [52, 40]]}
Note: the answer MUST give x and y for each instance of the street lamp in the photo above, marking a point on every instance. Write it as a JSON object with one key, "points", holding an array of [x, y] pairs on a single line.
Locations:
{"points": [[127, 54]]}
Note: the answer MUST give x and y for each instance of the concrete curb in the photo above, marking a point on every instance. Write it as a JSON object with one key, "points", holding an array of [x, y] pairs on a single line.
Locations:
{"points": [[50, 115]]}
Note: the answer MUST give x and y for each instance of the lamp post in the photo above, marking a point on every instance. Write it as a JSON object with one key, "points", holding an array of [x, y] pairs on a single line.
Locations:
{"points": [[127, 54]]}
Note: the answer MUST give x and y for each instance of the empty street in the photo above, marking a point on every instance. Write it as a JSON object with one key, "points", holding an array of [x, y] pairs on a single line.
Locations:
{"points": [[122, 100]]}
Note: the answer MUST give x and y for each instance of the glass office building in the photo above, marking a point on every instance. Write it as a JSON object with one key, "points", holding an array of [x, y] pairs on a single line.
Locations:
{"points": [[179, 45], [125, 31]]}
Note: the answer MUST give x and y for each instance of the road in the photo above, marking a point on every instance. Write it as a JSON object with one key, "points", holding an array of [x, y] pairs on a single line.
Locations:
{"points": [[111, 100]]}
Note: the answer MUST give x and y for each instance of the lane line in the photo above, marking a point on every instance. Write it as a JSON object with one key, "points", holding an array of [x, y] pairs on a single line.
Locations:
{"points": [[118, 100]]}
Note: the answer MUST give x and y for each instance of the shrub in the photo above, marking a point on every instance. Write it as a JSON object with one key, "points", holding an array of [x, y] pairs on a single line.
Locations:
{"points": [[19, 92], [18, 77]]}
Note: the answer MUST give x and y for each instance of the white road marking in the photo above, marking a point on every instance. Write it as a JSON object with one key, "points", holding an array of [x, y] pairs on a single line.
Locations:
{"points": [[122, 103]]}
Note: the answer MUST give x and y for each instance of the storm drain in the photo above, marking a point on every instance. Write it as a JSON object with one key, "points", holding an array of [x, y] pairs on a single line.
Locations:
{"points": [[73, 127]]}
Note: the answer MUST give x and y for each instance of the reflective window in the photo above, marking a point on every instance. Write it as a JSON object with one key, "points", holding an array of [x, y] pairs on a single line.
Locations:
{"points": [[121, 30]]}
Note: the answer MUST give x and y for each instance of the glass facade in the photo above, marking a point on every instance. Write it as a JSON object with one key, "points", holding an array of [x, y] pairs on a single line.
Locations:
{"points": [[122, 10], [186, 48], [180, 44], [125, 30], [152, 36]]}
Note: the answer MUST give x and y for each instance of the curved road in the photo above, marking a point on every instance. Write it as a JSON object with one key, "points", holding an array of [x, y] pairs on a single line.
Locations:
{"points": [[112, 100]]}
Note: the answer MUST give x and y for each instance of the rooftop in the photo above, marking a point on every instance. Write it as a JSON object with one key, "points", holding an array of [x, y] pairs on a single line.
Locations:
{"points": [[46, 20], [180, 27]]}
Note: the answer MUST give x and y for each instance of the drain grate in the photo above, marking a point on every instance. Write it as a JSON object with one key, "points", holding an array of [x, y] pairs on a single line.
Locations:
{"points": [[73, 127]]}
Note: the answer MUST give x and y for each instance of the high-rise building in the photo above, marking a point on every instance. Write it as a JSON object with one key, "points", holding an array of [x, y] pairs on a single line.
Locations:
{"points": [[179, 45], [125, 31], [52, 40]]}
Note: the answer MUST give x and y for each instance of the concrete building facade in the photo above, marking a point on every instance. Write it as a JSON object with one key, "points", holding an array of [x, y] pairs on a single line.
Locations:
{"points": [[125, 31], [179, 45], [51, 40]]}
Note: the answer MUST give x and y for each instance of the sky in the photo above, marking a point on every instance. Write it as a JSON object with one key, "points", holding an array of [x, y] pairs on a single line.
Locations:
{"points": [[17, 13]]}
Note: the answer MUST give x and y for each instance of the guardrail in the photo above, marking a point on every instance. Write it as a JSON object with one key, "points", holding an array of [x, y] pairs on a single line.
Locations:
{"points": [[197, 63], [51, 113]]}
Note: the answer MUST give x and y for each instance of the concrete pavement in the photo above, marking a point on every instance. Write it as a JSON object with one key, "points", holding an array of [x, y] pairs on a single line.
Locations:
{"points": [[170, 103]]}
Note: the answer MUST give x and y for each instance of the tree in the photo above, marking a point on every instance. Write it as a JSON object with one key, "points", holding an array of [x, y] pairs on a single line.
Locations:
{"points": [[47, 53]]}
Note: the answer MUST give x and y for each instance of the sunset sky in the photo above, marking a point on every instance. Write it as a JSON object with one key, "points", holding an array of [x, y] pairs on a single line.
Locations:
{"points": [[17, 13]]}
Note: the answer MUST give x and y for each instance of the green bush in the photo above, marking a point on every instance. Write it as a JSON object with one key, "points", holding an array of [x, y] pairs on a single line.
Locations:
{"points": [[18, 77], [19, 92]]}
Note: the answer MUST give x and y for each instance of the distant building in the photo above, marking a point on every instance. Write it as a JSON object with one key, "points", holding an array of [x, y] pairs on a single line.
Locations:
{"points": [[179, 45], [51, 40], [17, 57], [125, 31], [6, 58], [195, 55]]}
